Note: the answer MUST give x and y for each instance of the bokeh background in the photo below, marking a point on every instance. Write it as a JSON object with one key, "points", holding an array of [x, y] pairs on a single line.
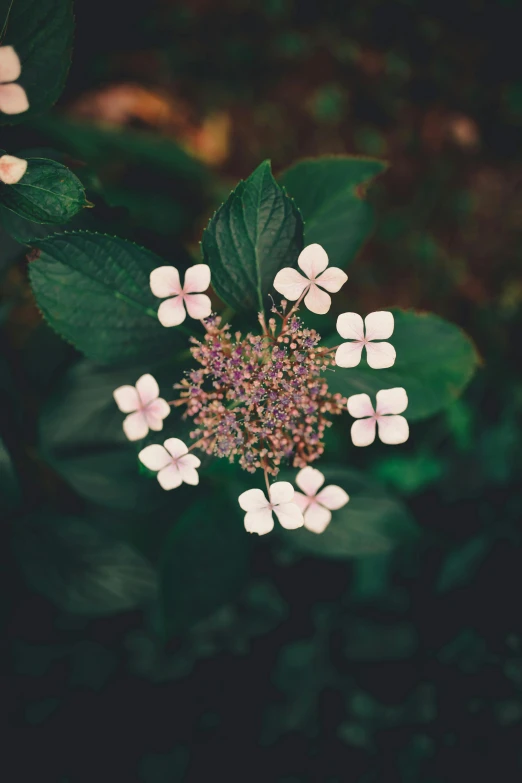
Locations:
{"points": [[396, 667]]}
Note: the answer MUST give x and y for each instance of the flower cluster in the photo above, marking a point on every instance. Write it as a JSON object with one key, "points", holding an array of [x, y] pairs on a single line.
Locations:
{"points": [[263, 399]]}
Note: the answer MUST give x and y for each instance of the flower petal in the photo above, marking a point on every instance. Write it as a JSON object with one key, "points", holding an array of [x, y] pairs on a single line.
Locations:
{"points": [[155, 457], [127, 398], [363, 432], [13, 99], [12, 169], [198, 305], [317, 301], [333, 497], [159, 408], [360, 405], [164, 281], [10, 66], [172, 312], [391, 400], [197, 278], [252, 500], [260, 521], [289, 515], [332, 280], [309, 480], [317, 518], [348, 354], [135, 426], [393, 430], [303, 501], [154, 420], [147, 387], [350, 326], [313, 260], [176, 447], [290, 283], [281, 492], [188, 473], [379, 325], [380, 355], [170, 477]]}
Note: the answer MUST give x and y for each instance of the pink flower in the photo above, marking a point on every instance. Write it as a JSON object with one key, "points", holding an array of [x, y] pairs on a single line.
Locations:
{"points": [[145, 407], [165, 282], [13, 98], [313, 261], [379, 326], [393, 429], [317, 507], [258, 518], [173, 463], [12, 169]]}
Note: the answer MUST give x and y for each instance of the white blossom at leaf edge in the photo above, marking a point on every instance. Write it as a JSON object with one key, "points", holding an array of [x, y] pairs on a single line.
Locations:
{"points": [[165, 284], [173, 463], [393, 429], [313, 261], [12, 169], [258, 517], [145, 407], [317, 506], [377, 326]]}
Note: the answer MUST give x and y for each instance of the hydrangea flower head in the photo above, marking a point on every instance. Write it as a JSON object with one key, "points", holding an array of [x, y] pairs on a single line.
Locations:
{"points": [[316, 281], [13, 98], [393, 428]]}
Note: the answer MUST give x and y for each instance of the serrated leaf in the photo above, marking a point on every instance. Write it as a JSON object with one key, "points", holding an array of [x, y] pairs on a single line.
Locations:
{"points": [[205, 563], [371, 522], [328, 192], [435, 362], [255, 233], [47, 193], [41, 32], [94, 291]]}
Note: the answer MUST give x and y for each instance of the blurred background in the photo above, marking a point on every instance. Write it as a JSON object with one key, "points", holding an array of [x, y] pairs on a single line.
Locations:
{"points": [[393, 667]]}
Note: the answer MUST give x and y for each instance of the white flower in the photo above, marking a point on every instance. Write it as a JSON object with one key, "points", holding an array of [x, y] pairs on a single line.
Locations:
{"points": [[145, 407], [393, 429], [13, 98], [173, 463], [379, 326], [165, 282], [12, 169], [313, 261], [317, 507], [258, 518]]}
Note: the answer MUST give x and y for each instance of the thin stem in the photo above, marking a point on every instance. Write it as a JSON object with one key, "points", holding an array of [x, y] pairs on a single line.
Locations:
{"points": [[267, 482], [293, 309]]}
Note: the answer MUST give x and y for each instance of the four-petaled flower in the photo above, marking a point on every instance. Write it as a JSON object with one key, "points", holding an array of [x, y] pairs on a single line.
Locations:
{"points": [[165, 282], [393, 429], [317, 506], [313, 261], [145, 407], [377, 326], [173, 462], [258, 518], [12, 169], [13, 99]]}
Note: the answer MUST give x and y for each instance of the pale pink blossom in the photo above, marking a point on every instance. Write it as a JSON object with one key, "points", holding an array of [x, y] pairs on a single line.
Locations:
{"points": [[165, 284], [314, 262], [145, 407], [12, 169], [317, 506], [13, 98], [173, 462], [393, 429], [258, 518], [377, 326]]}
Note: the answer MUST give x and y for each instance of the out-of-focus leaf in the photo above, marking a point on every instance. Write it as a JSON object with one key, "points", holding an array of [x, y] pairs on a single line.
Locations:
{"points": [[9, 486], [329, 192], [435, 362], [94, 291], [255, 233], [371, 522], [204, 564], [461, 563], [409, 473], [41, 32]]}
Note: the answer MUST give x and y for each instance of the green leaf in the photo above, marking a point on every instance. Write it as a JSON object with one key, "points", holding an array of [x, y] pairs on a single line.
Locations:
{"points": [[41, 31], [81, 566], [461, 563], [435, 362], [205, 562], [10, 494], [329, 192], [255, 233], [47, 193], [94, 291], [81, 437], [371, 522]]}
